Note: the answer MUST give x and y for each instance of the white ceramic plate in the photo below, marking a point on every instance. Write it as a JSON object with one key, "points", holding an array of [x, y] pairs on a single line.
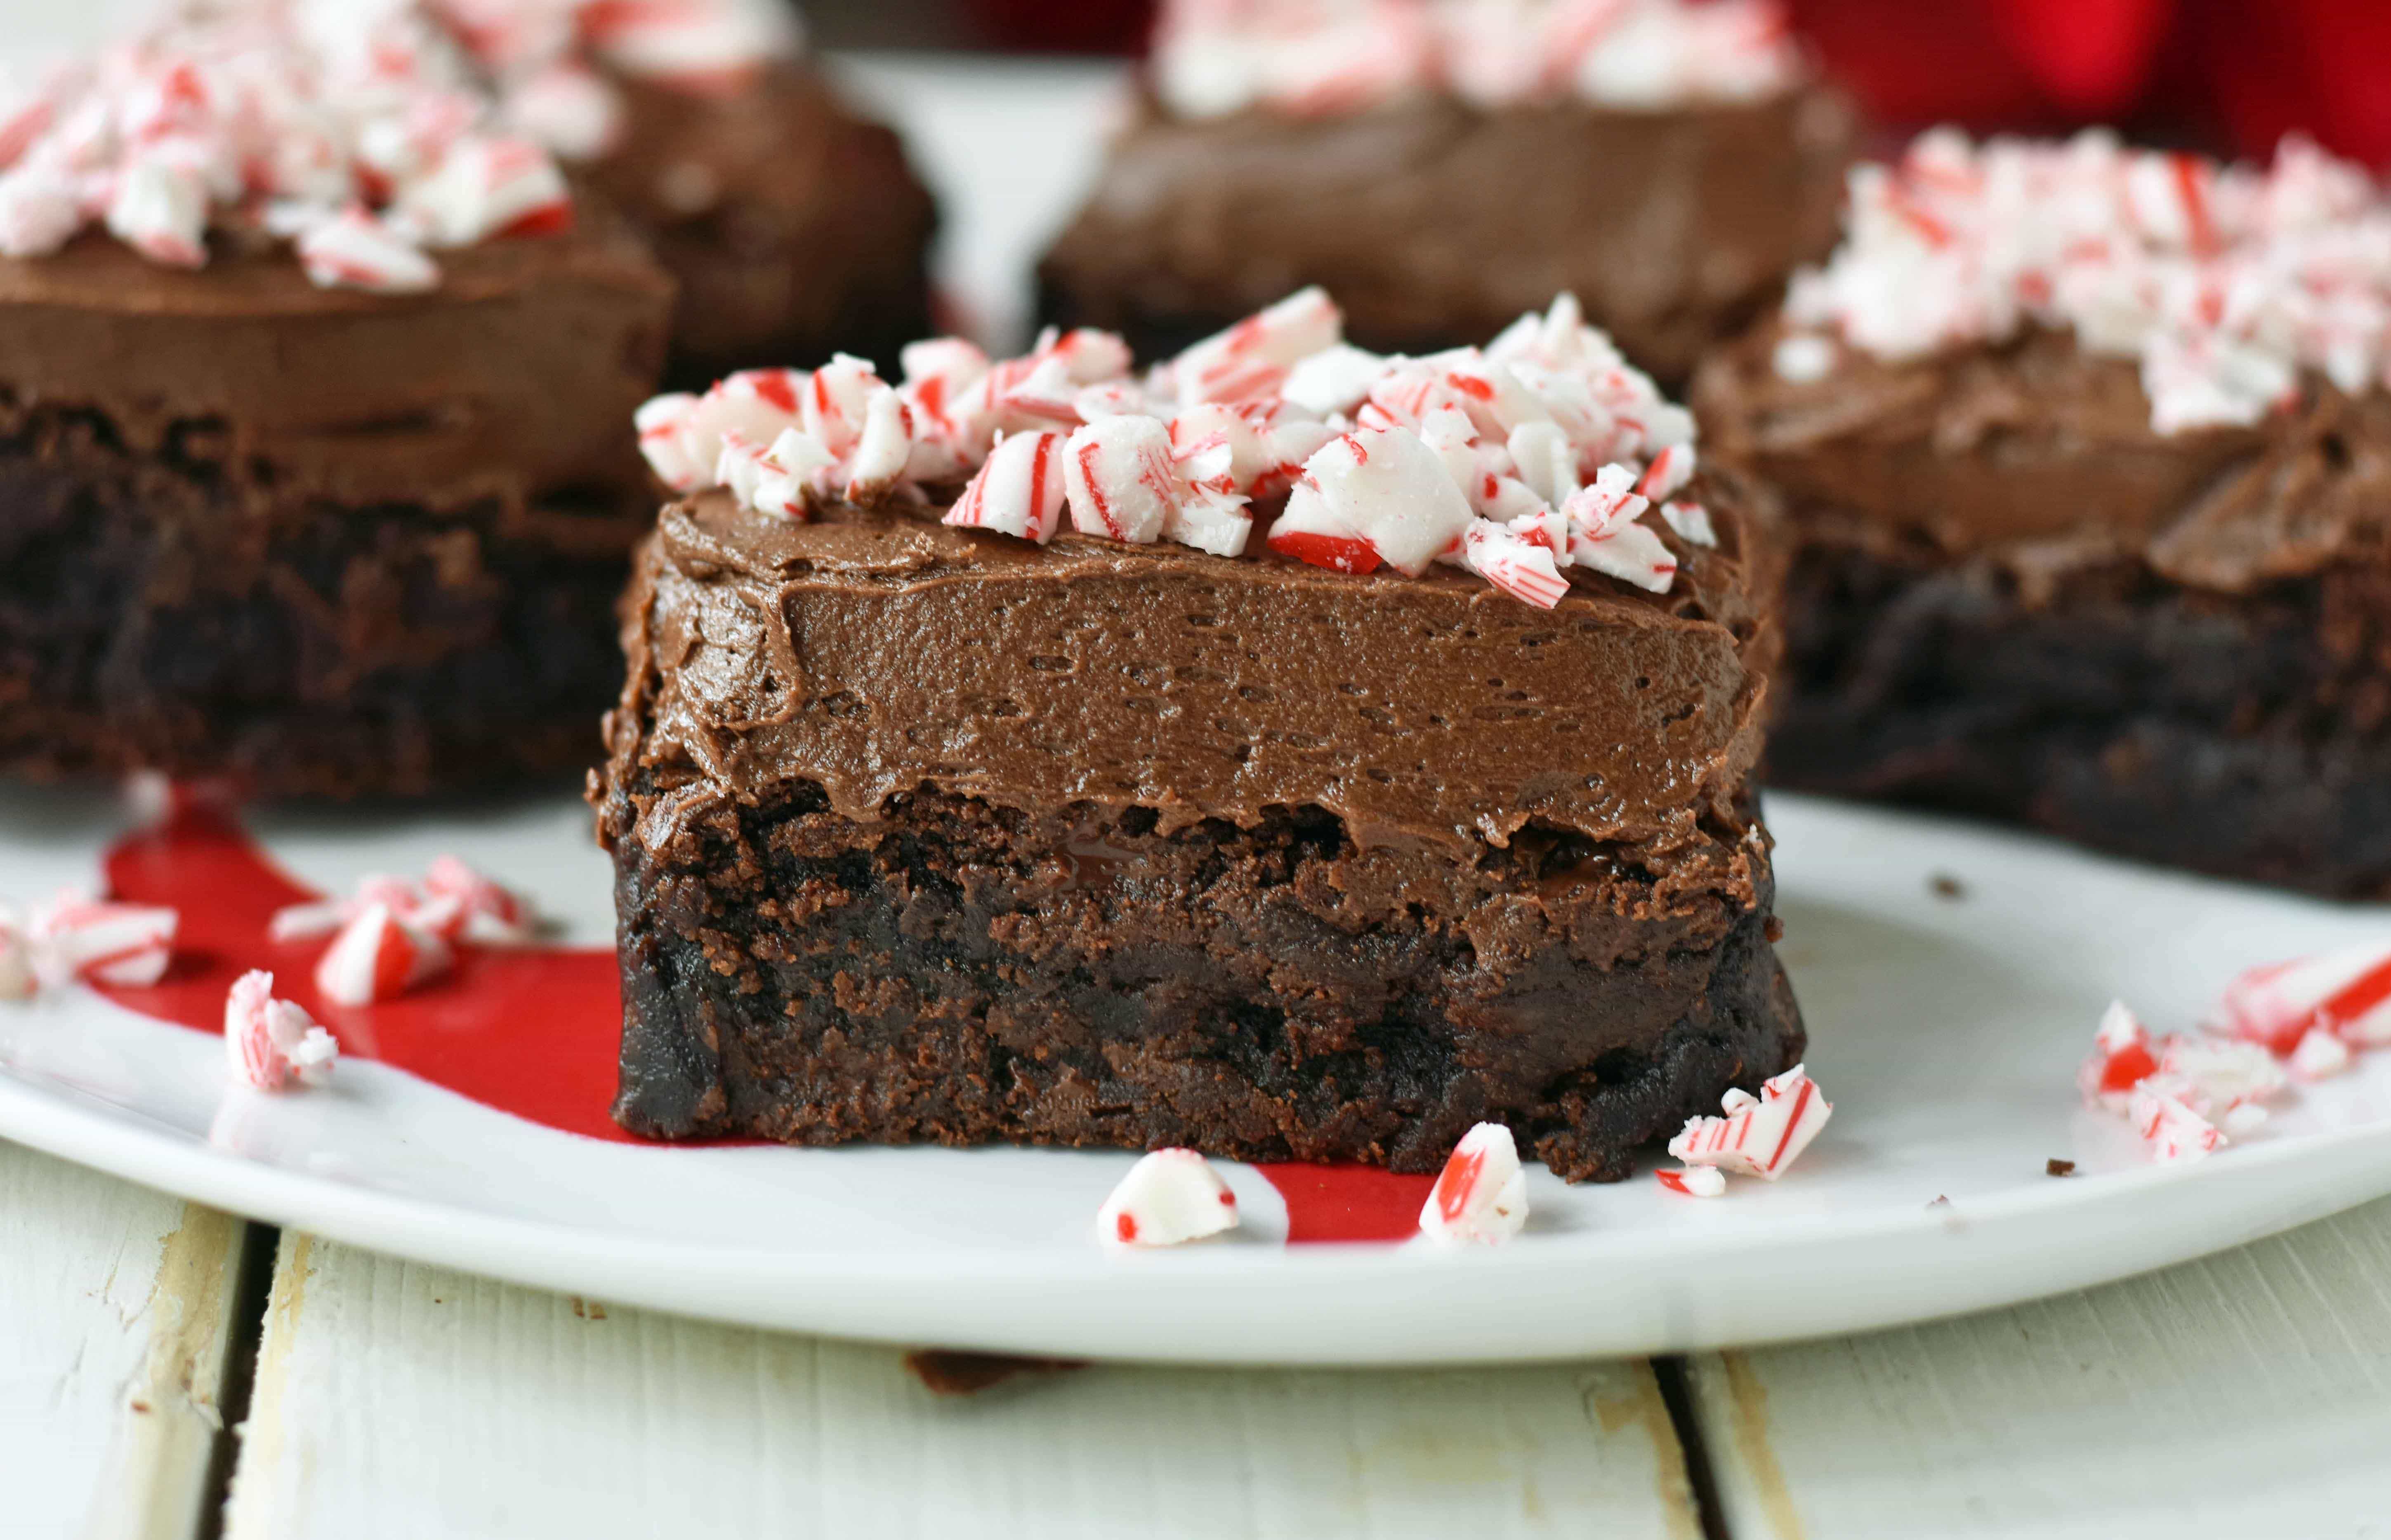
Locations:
{"points": [[1947, 1030]]}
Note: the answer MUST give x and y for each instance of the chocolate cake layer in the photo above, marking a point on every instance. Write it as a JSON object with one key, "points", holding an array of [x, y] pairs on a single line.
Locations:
{"points": [[1435, 224], [2010, 597], [796, 229], [928, 834], [328, 543]]}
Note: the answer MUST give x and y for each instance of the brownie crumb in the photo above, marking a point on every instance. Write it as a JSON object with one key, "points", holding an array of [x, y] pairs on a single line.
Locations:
{"points": [[947, 1372], [1946, 886], [2059, 1168]]}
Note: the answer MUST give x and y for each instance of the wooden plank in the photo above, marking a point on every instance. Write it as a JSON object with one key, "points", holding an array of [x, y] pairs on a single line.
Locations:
{"points": [[2249, 1394], [399, 1400], [116, 1312]]}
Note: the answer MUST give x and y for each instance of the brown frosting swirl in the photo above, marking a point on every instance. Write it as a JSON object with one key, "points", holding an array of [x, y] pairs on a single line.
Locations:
{"points": [[874, 653], [1436, 224], [2041, 457]]}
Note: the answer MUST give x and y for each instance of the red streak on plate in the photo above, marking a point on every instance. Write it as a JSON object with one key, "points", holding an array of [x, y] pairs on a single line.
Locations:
{"points": [[1348, 1202], [532, 1030]]}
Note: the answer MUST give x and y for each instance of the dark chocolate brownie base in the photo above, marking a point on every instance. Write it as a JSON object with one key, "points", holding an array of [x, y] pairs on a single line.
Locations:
{"points": [[171, 612], [2246, 736], [958, 974]]}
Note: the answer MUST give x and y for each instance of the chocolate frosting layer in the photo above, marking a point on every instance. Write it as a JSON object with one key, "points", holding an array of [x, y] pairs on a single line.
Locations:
{"points": [[793, 224], [1435, 224], [514, 376], [2040, 457], [873, 653]]}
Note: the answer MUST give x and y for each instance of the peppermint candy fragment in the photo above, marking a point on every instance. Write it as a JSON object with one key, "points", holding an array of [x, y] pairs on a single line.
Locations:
{"points": [[126, 944], [378, 956], [2320, 1056], [660, 421], [353, 250], [39, 211], [488, 913], [2122, 1057], [1480, 1196], [1374, 495], [1693, 1181], [1336, 379], [1520, 567], [485, 186], [271, 1043], [567, 109], [1119, 478], [1759, 1136], [1019, 490], [2172, 1130], [1253, 357], [1692, 523], [160, 210], [1168, 1197], [2347, 991], [2221, 1073]]}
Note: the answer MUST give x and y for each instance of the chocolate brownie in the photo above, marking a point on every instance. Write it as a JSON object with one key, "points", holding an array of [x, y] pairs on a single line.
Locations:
{"points": [[347, 516], [2093, 590], [1674, 214], [323, 542], [795, 227], [923, 832]]}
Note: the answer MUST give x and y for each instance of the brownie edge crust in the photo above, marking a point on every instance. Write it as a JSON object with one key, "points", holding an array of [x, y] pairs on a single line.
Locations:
{"points": [[1029, 944]]}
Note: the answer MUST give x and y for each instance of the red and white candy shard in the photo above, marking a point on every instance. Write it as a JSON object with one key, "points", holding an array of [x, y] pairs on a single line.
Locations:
{"points": [[353, 250], [2347, 991], [453, 903], [2220, 1073], [1691, 520], [2172, 1130], [1119, 478], [1374, 495], [1480, 1196], [1252, 358], [1170, 1196], [1520, 566], [1019, 490], [2320, 1056], [126, 944], [378, 956], [1693, 1181], [271, 1043], [1759, 1136], [2123, 1056]]}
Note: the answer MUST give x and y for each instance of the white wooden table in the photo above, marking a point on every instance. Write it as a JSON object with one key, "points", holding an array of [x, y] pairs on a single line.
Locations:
{"points": [[165, 1368]]}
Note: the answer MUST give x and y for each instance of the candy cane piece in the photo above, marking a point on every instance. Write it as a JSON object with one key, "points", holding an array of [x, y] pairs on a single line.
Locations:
{"points": [[1693, 1181], [1168, 1197], [2320, 1056], [882, 450], [1692, 523], [1480, 1196], [1371, 496], [569, 109], [1335, 380], [1758, 1136], [484, 185], [127, 945], [1522, 568], [1253, 357], [39, 211], [1119, 478], [2172, 1130], [377, 957], [1668, 473], [2346, 991], [661, 421], [18, 977], [353, 250], [1019, 490], [271, 1043], [160, 210]]}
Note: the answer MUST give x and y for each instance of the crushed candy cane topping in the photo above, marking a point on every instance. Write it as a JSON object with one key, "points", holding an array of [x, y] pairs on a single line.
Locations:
{"points": [[1170, 1196], [1542, 451], [271, 1043], [73, 938], [1480, 1196], [369, 135], [2224, 282], [1758, 1135], [1318, 58]]}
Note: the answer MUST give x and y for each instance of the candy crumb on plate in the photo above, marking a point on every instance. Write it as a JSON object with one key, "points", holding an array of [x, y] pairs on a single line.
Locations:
{"points": [[1481, 1198], [1170, 1198]]}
